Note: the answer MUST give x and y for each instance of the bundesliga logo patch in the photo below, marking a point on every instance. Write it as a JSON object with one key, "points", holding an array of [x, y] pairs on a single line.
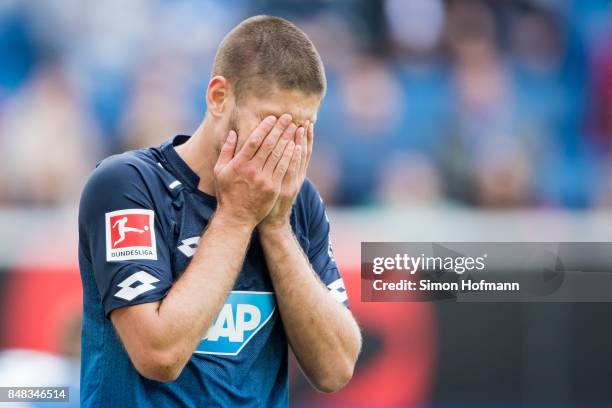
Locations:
{"points": [[130, 235]]}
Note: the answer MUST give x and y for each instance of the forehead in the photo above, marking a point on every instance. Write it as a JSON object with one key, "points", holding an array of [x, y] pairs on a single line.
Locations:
{"points": [[300, 105]]}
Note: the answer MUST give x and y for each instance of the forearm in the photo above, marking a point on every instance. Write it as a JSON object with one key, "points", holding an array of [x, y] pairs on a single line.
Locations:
{"points": [[163, 341], [322, 333]]}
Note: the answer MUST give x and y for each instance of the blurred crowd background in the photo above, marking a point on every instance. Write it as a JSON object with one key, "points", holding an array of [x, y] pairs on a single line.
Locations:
{"points": [[497, 104], [444, 120]]}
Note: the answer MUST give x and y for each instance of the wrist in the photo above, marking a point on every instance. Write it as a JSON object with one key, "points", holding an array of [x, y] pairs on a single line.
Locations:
{"points": [[229, 220], [280, 229]]}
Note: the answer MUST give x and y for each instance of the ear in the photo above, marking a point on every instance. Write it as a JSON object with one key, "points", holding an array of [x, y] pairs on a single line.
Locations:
{"points": [[218, 95]]}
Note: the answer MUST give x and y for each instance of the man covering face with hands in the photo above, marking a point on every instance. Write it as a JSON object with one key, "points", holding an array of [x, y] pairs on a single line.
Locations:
{"points": [[204, 259]]}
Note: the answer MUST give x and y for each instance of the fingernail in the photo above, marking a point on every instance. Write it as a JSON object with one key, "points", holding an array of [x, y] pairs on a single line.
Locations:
{"points": [[270, 120], [285, 119], [300, 133], [232, 136], [291, 128]]}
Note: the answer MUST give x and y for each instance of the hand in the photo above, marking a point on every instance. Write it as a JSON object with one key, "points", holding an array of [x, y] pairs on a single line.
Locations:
{"points": [[293, 180], [248, 182]]}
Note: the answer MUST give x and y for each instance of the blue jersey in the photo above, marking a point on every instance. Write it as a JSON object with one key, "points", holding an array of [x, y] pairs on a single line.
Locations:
{"points": [[140, 220]]}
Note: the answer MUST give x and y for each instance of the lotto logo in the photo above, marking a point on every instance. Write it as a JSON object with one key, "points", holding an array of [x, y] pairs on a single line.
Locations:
{"points": [[243, 315], [136, 284], [130, 234]]}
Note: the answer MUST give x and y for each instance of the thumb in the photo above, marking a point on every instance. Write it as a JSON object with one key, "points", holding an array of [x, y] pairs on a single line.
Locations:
{"points": [[228, 149]]}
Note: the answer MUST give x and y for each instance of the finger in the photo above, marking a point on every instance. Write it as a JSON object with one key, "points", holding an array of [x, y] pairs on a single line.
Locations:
{"points": [[255, 139], [271, 139], [227, 150], [283, 164], [299, 141], [293, 171], [309, 141], [277, 153], [299, 135], [304, 151]]}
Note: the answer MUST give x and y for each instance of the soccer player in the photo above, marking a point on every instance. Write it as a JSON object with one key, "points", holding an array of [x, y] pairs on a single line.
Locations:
{"points": [[202, 259]]}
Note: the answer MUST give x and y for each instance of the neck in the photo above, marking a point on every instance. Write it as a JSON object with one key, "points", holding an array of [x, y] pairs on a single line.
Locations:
{"points": [[200, 153]]}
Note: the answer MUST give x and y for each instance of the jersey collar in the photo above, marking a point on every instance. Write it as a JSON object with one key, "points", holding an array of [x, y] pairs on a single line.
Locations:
{"points": [[187, 176]]}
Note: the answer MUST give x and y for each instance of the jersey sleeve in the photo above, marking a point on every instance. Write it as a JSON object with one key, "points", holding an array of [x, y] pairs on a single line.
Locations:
{"points": [[123, 237], [320, 251]]}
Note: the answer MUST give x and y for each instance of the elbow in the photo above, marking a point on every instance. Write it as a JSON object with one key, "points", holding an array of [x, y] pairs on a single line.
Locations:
{"points": [[337, 373], [159, 366], [160, 374], [335, 379]]}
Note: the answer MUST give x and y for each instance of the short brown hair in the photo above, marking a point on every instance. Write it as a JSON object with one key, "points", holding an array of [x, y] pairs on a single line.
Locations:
{"points": [[269, 49]]}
